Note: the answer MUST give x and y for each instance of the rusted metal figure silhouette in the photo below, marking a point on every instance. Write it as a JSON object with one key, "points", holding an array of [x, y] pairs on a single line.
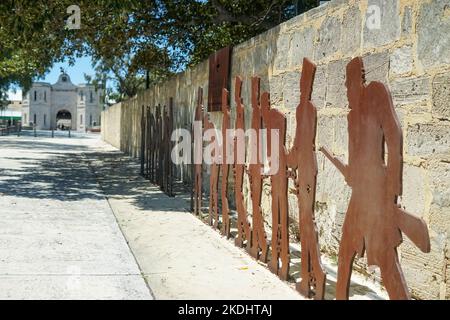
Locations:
{"points": [[275, 120], [197, 154], [303, 163], [259, 246], [374, 221], [243, 225], [225, 165], [213, 217], [159, 139]]}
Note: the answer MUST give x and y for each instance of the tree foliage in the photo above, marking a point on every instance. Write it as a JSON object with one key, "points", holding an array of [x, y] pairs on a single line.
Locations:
{"points": [[137, 42]]}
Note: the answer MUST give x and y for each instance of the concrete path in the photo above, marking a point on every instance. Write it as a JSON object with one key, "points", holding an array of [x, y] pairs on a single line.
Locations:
{"points": [[63, 205], [58, 236], [180, 256]]}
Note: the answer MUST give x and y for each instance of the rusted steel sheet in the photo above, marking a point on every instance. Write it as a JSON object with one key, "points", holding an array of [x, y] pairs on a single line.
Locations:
{"points": [[302, 161], [166, 148], [374, 221], [152, 146], [159, 159], [259, 246], [213, 217], [226, 122], [170, 144], [243, 225], [219, 70], [143, 142], [275, 120], [156, 147], [198, 149]]}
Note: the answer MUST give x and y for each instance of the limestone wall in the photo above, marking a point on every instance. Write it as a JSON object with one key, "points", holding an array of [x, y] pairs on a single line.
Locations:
{"points": [[410, 52], [111, 124]]}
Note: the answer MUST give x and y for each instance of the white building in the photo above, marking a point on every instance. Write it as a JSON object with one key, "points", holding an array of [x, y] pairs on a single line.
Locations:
{"points": [[63, 103]]}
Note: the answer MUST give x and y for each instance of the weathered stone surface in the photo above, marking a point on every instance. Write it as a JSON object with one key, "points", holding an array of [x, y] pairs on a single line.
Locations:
{"points": [[439, 177], [302, 46], [389, 30], [426, 140], [276, 90], [333, 189], [291, 89], [336, 90], [351, 40], [411, 90], [407, 21], [413, 199], [402, 60], [341, 135], [320, 87], [433, 25], [377, 67], [325, 131], [282, 51], [329, 38], [423, 272], [441, 96]]}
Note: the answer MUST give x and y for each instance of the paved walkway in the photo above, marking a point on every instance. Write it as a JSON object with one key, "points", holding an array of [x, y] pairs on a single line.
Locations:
{"points": [[63, 205], [58, 236]]}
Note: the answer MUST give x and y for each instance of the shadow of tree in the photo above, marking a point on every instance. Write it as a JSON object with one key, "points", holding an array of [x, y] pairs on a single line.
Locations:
{"points": [[61, 176]]}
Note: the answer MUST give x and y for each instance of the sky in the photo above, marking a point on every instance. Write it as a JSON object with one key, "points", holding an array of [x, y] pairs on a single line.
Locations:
{"points": [[76, 73]]}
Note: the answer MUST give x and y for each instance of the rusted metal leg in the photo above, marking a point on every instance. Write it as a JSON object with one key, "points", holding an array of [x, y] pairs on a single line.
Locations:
{"points": [[259, 247], [274, 263], [243, 226], [225, 209], [345, 262], [312, 272], [284, 245], [225, 165], [393, 278]]}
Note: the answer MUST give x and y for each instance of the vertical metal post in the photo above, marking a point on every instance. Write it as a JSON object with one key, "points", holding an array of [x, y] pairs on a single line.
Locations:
{"points": [[142, 140]]}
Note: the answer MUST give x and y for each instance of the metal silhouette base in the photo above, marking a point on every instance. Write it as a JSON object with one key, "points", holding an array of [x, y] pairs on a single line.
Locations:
{"points": [[374, 222]]}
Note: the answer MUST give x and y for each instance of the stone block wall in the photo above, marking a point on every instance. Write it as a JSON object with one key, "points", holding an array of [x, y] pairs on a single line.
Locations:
{"points": [[111, 124], [410, 52]]}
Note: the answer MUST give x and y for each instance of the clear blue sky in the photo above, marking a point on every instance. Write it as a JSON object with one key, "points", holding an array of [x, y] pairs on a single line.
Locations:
{"points": [[76, 73]]}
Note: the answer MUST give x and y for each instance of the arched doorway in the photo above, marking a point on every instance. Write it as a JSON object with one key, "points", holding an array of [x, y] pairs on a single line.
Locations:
{"points": [[63, 120]]}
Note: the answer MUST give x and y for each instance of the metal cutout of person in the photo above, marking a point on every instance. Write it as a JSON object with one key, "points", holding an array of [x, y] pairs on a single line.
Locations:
{"points": [[259, 247], [225, 166], [302, 160], [374, 221], [275, 123], [243, 225], [197, 156], [213, 217]]}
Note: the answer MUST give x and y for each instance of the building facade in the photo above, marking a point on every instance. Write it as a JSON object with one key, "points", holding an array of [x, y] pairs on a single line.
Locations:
{"points": [[62, 105]]}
